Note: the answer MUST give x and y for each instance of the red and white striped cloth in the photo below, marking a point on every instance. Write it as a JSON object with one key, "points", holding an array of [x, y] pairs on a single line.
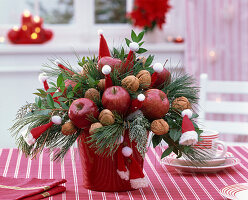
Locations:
{"points": [[164, 182], [220, 26]]}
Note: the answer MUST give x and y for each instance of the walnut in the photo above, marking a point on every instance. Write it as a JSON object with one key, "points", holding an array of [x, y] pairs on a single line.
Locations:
{"points": [[106, 117], [92, 94], [101, 84], [68, 128], [181, 103], [144, 79], [159, 127], [130, 83], [94, 126]]}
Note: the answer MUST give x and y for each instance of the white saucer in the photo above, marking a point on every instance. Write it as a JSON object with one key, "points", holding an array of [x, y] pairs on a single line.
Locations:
{"points": [[210, 166], [237, 191]]}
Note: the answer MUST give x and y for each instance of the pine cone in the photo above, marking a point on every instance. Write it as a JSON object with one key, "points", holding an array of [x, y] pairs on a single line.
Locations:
{"points": [[68, 128], [144, 79], [181, 103], [106, 117], [101, 84], [94, 126], [92, 94], [159, 127], [130, 83]]}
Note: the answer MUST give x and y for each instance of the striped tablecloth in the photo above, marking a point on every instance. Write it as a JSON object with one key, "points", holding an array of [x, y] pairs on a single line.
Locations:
{"points": [[165, 182]]}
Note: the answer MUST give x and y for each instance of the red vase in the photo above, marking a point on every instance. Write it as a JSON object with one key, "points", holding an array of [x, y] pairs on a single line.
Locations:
{"points": [[100, 173]]}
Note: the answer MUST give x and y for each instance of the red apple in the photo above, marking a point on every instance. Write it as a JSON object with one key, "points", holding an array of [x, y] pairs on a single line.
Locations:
{"points": [[117, 99], [155, 105], [80, 111], [162, 77], [114, 63], [69, 82]]}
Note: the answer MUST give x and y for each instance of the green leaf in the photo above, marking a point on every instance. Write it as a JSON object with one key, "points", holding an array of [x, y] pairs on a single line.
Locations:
{"points": [[127, 41], [140, 36], [62, 86], [70, 94], [60, 79], [156, 139], [39, 94], [116, 51], [134, 36], [140, 44], [38, 101], [195, 115], [57, 94], [149, 61], [175, 134], [52, 89], [42, 92], [50, 101], [76, 87], [64, 106], [167, 152], [51, 83], [56, 105], [141, 50], [62, 99]]}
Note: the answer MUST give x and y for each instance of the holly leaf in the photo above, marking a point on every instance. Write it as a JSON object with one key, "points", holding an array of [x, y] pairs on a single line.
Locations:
{"points": [[42, 92], [141, 50], [62, 99], [127, 41], [56, 105], [39, 94], [52, 89], [156, 139], [64, 106], [140, 44], [175, 134], [57, 94], [60, 79], [50, 101], [167, 152], [134, 36], [62, 86], [140, 36], [149, 61]]}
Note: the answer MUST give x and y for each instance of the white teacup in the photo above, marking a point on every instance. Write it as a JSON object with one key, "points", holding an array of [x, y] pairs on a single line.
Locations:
{"points": [[209, 145]]}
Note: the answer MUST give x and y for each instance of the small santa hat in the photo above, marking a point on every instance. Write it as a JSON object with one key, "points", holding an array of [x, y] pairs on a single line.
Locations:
{"points": [[106, 70], [189, 135], [121, 167], [134, 46], [136, 177], [61, 66], [36, 132], [43, 79], [136, 104], [158, 68], [103, 46]]}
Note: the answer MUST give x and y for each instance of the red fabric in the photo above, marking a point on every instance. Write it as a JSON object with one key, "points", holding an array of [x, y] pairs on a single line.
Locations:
{"points": [[135, 169], [108, 81], [135, 105], [165, 182], [187, 125], [103, 48], [37, 131], [120, 160], [33, 188]]}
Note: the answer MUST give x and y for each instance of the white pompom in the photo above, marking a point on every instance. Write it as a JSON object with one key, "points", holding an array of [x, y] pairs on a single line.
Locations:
{"points": [[120, 140], [187, 112], [127, 151], [141, 97], [100, 31], [56, 120], [158, 67], [134, 46], [57, 62], [106, 69], [43, 77]]}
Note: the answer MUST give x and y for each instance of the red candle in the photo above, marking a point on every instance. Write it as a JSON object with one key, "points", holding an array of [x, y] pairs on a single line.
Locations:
{"points": [[38, 21], [178, 39], [26, 17]]}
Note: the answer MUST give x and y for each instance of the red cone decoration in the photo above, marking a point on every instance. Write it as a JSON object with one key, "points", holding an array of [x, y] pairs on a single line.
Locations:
{"points": [[103, 46], [36, 132], [189, 135], [106, 70], [158, 68], [30, 32], [59, 64], [43, 79], [130, 57]]}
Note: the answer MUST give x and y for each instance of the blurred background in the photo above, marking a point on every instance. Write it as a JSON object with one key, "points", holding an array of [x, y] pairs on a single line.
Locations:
{"points": [[198, 36]]}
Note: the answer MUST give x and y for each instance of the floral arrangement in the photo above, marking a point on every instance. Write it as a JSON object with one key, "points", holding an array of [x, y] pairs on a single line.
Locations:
{"points": [[114, 100], [147, 14]]}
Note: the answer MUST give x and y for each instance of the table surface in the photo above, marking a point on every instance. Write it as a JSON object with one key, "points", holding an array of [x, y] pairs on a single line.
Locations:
{"points": [[164, 181]]}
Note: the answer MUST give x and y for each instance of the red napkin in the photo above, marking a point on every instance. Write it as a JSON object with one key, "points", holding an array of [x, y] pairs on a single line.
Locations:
{"points": [[27, 189]]}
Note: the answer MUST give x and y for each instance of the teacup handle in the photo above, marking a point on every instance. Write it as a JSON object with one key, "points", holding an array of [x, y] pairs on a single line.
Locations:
{"points": [[224, 148]]}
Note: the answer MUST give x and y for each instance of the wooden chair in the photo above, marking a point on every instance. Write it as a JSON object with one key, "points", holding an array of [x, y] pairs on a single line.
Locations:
{"points": [[222, 107]]}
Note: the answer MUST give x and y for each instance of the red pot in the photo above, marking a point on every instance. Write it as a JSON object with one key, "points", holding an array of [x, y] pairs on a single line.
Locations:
{"points": [[100, 173]]}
